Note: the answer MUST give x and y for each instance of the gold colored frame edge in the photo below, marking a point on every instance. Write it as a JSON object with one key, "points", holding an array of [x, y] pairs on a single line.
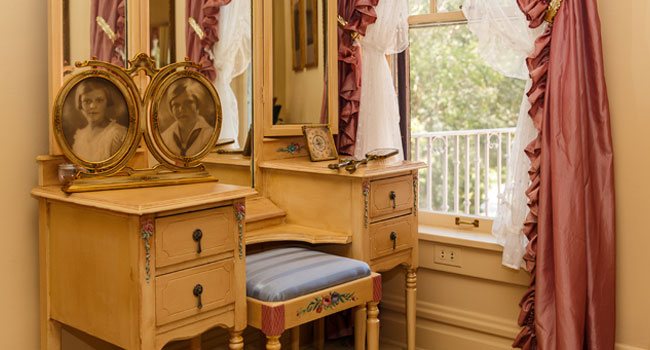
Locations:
{"points": [[331, 142], [134, 133], [270, 130], [160, 149]]}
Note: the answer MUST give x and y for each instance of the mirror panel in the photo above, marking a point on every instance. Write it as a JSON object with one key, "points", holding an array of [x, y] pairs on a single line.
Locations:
{"points": [[299, 81], [95, 28], [175, 23]]}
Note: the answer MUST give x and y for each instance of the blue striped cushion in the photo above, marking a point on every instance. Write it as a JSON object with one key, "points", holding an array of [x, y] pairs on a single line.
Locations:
{"points": [[286, 273]]}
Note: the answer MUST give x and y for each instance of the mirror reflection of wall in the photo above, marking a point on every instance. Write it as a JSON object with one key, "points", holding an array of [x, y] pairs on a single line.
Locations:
{"points": [[178, 30], [95, 28], [299, 61]]}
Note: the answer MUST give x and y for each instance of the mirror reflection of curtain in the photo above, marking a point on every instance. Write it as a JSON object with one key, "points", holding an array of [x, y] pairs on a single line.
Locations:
{"points": [[359, 14], [378, 106], [232, 56], [201, 39], [107, 19]]}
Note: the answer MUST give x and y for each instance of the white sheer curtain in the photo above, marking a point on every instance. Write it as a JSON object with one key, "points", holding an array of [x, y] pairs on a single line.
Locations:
{"points": [[232, 55], [378, 107], [504, 43]]}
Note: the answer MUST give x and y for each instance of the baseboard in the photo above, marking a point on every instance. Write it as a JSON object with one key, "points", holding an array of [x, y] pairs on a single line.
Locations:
{"points": [[436, 321], [475, 321]]}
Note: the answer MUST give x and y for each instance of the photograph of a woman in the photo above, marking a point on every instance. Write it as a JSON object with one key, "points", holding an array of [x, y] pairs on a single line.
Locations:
{"points": [[97, 130], [186, 118]]}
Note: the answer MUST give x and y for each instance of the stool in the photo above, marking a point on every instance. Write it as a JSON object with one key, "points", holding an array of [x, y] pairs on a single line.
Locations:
{"points": [[288, 287]]}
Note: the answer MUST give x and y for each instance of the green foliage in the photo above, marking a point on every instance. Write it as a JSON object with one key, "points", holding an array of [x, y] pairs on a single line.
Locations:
{"points": [[451, 87]]}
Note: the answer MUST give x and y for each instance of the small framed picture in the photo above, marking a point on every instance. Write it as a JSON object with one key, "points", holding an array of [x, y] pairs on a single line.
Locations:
{"points": [[96, 121], [320, 142], [186, 116]]}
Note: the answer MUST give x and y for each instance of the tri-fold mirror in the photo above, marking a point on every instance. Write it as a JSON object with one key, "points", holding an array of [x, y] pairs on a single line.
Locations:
{"points": [[294, 55]]}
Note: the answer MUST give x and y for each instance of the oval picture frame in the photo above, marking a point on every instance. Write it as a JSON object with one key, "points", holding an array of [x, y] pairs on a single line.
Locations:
{"points": [[96, 121], [185, 118]]}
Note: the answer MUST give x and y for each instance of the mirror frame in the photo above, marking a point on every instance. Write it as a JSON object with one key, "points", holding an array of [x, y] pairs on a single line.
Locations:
{"points": [[271, 130]]}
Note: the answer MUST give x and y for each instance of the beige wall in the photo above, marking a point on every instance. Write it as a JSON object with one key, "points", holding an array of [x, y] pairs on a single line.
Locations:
{"points": [[626, 41], [626, 46], [23, 97], [626, 37]]}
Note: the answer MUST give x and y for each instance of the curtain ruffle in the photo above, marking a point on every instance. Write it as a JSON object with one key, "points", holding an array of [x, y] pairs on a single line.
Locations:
{"points": [[359, 14], [210, 25], [538, 67], [118, 56]]}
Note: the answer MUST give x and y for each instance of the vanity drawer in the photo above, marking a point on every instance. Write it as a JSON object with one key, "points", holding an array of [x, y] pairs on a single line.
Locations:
{"points": [[390, 236], [178, 237], [175, 292], [391, 197]]}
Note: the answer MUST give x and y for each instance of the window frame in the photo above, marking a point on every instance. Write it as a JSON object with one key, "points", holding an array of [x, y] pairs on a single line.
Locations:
{"points": [[402, 82]]}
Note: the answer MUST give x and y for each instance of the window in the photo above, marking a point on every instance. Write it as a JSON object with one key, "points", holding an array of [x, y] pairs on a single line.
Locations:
{"points": [[462, 113]]}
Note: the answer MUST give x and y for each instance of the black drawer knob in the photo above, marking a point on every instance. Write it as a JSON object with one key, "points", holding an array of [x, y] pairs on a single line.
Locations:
{"points": [[393, 198], [198, 290], [393, 237], [196, 236]]}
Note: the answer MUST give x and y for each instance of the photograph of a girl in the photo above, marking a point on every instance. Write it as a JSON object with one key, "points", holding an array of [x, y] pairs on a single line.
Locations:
{"points": [[186, 118], [98, 128]]}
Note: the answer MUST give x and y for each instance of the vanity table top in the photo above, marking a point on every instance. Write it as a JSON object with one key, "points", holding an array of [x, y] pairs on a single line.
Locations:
{"points": [[141, 201], [372, 169]]}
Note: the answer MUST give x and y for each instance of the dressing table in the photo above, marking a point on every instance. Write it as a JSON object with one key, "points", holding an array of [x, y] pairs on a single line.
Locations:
{"points": [[118, 265]]}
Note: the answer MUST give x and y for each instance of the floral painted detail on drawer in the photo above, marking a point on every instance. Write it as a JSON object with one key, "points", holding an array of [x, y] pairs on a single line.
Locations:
{"points": [[146, 232], [240, 215], [291, 148], [327, 302]]}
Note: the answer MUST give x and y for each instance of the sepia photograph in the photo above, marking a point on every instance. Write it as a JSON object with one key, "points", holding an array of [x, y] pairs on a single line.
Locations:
{"points": [[186, 118], [95, 119]]}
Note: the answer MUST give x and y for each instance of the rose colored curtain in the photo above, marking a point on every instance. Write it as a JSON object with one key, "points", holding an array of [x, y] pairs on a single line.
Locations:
{"points": [[359, 14], [571, 226], [199, 50], [107, 43]]}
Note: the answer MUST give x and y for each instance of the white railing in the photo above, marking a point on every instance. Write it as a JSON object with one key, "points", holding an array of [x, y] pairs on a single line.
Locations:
{"points": [[466, 169]]}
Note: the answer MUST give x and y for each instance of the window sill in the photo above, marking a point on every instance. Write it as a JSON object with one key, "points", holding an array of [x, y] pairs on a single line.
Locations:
{"points": [[458, 237]]}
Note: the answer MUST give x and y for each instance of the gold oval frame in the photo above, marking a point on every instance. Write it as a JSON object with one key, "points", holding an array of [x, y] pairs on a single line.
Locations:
{"points": [[153, 135], [132, 139]]}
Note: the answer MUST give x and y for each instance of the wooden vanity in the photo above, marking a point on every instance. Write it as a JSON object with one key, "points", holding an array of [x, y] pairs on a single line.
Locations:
{"points": [[371, 213], [141, 267]]}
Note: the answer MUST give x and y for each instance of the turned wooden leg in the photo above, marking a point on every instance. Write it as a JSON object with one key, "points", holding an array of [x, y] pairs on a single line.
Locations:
{"points": [[373, 326], [236, 341], [195, 343], [273, 342], [52, 338], [360, 327], [411, 291], [319, 334], [295, 338]]}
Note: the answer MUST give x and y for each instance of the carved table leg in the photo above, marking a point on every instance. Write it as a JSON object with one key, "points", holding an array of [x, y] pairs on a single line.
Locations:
{"points": [[195, 343], [319, 334], [273, 342], [236, 341], [52, 337], [411, 291], [373, 326], [360, 327]]}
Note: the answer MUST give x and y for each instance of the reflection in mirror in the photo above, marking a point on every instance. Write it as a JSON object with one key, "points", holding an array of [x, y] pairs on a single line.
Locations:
{"points": [[180, 29], [162, 34], [95, 28], [299, 83]]}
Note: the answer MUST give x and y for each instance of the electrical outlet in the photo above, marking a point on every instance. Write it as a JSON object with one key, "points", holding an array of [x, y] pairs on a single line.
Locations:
{"points": [[446, 255]]}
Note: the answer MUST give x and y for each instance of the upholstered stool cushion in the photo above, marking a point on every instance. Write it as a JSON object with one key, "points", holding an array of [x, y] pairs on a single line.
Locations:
{"points": [[285, 273]]}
